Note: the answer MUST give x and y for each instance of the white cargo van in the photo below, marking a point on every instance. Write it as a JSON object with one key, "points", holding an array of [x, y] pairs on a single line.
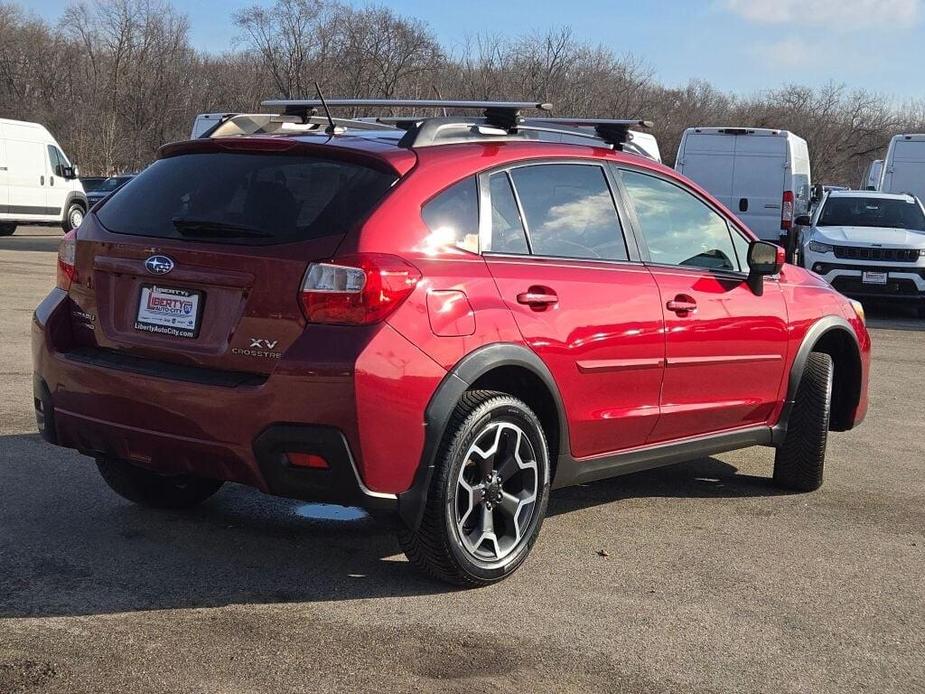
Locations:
{"points": [[871, 180], [904, 166], [38, 184], [205, 122], [761, 175]]}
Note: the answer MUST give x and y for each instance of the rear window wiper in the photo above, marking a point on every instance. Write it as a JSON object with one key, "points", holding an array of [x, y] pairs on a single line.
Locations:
{"points": [[207, 228]]}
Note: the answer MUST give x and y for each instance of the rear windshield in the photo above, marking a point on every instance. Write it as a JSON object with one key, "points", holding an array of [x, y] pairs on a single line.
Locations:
{"points": [[871, 212], [245, 198]]}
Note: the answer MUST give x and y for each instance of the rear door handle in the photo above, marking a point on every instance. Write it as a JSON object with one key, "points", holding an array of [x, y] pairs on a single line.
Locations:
{"points": [[538, 297], [682, 304]]}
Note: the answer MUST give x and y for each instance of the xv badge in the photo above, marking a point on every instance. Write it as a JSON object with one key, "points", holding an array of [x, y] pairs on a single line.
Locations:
{"points": [[263, 344]]}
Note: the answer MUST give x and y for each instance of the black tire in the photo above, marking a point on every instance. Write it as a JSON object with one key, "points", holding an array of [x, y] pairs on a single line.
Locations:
{"points": [[437, 547], [151, 489], [71, 222], [799, 462], [7, 229]]}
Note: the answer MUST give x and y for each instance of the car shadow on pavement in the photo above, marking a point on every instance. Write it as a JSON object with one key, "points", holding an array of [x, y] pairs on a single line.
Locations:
{"points": [[701, 478], [893, 317], [70, 546]]}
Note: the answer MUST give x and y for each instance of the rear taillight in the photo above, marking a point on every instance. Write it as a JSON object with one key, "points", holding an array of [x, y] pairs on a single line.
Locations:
{"points": [[67, 254], [786, 211], [358, 289]]}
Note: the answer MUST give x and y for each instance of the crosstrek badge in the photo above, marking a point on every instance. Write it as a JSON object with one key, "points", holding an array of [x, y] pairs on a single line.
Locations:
{"points": [[168, 311]]}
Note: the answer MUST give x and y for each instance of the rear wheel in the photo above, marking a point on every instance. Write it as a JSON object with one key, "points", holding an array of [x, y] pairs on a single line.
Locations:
{"points": [[488, 494], [7, 229], [74, 217], [151, 489], [799, 462]]}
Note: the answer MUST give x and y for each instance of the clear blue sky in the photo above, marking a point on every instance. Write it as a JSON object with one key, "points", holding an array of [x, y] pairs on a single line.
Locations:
{"points": [[738, 45]]}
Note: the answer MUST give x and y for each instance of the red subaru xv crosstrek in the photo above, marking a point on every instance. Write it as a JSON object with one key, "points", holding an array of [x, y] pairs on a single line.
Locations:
{"points": [[439, 322]]}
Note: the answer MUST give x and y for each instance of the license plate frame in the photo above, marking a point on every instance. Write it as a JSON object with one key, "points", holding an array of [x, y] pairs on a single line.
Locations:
{"points": [[872, 277], [155, 314]]}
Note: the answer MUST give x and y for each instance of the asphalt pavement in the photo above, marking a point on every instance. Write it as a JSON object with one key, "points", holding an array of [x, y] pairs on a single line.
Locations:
{"points": [[699, 577]]}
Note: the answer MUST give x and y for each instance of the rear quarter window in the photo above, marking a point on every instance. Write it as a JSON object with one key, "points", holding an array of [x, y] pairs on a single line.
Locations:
{"points": [[245, 198]]}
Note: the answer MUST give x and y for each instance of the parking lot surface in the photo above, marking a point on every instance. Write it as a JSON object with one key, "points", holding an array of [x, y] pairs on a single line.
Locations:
{"points": [[711, 580]]}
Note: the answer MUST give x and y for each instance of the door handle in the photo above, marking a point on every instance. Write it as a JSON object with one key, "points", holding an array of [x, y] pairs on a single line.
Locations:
{"points": [[538, 297], [743, 204], [682, 304], [41, 180]]}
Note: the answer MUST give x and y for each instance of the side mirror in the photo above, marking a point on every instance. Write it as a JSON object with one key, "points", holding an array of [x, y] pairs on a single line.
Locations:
{"points": [[804, 220], [68, 172], [764, 258]]}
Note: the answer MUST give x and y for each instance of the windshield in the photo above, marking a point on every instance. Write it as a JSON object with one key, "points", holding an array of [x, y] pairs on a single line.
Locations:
{"points": [[245, 198], [871, 212]]}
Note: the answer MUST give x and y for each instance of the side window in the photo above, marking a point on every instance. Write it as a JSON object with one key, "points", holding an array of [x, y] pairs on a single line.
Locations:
{"points": [[678, 228], [507, 228], [570, 211], [454, 215]]}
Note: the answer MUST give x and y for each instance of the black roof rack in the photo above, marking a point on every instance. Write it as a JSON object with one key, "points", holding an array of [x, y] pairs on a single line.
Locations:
{"points": [[499, 120]]}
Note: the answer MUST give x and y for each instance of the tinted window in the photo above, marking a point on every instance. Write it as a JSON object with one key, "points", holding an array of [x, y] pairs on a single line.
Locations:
{"points": [[507, 228], [245, 198], [570, 211], [453, 216], [871, 212], [678, 228]]}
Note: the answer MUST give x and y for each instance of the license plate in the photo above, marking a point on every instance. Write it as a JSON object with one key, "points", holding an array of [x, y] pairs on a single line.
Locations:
{"points": [[168, 311], [874, 278]]}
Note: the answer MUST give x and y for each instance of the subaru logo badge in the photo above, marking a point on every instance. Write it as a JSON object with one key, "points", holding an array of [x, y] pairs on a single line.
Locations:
{"points": [[159, 265]]}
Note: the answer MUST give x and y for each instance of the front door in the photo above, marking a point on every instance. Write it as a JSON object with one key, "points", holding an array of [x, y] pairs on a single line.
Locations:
{"points": [[58, 185], [560, 260], [725, 346]]}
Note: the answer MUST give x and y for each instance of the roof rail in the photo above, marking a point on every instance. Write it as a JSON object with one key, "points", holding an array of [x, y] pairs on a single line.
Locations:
{"points": [[615, 132]]}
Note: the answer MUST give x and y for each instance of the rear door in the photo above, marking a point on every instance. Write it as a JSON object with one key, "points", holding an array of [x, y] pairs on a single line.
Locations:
{"points": [[199, 259], [907, 169], [581, 299], [725, 347], [709, 159], [758, 185]]}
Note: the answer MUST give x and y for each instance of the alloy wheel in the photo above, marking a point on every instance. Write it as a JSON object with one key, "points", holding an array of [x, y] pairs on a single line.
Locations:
{"points": [[496, 492]]}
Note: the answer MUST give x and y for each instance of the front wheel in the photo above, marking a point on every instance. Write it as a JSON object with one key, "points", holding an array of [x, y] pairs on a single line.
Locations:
{"points": [[74, 217], [488, 495], [148, 488], [799, 462]]}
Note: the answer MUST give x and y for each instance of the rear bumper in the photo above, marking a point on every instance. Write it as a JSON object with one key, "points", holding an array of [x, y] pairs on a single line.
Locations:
{"points": [[228, 426]]}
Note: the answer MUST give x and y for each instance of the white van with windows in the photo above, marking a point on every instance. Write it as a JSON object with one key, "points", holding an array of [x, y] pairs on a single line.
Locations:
{"points": [[904, 166], [762, 175], [38, 184]]}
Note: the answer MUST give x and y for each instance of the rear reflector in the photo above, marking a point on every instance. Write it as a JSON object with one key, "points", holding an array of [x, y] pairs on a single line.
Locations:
{"points": [[67, 253], [307, 460], [358, 289]]}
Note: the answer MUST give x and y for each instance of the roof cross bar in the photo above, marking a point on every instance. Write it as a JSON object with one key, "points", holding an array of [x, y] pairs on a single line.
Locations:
{"points": [[501, 114]]}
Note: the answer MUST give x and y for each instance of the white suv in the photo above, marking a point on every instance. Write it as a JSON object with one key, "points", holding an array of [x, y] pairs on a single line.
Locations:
{"points": [[868, 245]]}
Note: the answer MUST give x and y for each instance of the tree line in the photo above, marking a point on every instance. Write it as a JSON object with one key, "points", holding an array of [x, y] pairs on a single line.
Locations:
{"points": [[115, 79]]}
